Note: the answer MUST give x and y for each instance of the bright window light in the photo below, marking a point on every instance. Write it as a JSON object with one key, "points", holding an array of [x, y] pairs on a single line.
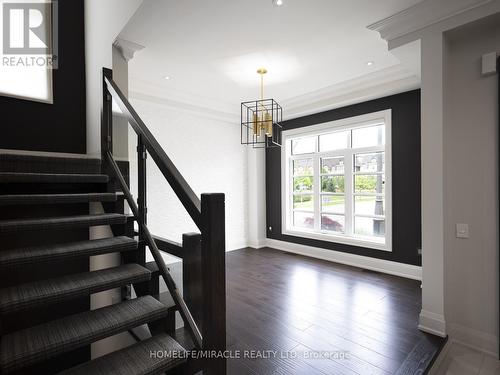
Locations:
{"points": [[337, 183], [25, 75]]}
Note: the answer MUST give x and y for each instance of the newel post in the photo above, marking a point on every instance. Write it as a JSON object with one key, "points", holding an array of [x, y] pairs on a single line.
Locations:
{"points": [[213, 262]]}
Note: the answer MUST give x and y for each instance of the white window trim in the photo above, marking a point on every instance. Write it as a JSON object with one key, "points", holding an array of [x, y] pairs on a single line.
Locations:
{"points": [[358, 121]]}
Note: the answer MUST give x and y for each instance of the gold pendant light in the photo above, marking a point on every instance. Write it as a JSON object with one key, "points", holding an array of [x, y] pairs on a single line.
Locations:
{"points": [[261, 120]]}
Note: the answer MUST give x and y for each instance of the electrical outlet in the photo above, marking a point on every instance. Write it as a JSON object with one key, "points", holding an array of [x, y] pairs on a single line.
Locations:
{"points": [[462, 230]]}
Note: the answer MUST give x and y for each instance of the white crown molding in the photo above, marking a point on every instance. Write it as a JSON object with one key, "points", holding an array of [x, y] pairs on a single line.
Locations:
{"points": [[385, 82], [175, 95], [210, 113], [422, 15], [389, 81], [183, 101], [384, 266], [127, 48]]}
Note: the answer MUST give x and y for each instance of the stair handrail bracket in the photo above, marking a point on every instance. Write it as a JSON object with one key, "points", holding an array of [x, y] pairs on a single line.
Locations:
{"points": [[208, 213]]}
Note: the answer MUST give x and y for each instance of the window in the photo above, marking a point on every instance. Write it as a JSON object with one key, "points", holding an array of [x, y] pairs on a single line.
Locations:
{"points": [[338, 184], [26, 70]]}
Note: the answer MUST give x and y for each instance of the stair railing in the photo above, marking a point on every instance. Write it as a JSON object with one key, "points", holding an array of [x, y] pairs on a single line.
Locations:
{"points": [[207, 213]]}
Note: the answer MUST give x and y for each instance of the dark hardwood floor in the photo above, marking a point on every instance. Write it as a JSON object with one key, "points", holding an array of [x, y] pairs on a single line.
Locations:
{"points": [[297, 308]]}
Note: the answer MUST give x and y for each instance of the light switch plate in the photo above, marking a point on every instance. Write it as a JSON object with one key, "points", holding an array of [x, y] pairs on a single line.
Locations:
{"points": [[462, 230], [489, 63]]}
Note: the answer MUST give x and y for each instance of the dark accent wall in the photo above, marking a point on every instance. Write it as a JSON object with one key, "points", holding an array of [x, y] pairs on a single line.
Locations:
{"points": [[61, 126], [406, 178]]}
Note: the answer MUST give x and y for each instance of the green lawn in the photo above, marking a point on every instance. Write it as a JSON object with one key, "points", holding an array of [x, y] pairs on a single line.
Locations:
{"points": [[336, 200]]}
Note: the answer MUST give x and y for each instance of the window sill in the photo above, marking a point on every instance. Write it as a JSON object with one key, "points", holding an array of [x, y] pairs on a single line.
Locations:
{"points": [[383, 246]]}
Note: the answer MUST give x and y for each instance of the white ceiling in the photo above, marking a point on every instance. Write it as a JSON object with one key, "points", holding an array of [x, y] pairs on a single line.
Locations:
{"points": [[211, 49]]}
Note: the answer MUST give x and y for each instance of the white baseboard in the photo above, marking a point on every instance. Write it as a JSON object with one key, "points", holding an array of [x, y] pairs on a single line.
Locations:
{"points": [[477, 340], [257, 244], [236, 246], [384, 266], [432, 323]]}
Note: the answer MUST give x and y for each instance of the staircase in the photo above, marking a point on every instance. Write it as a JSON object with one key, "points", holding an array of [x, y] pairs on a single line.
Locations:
{"points": [[47, 325], [36, 347]]}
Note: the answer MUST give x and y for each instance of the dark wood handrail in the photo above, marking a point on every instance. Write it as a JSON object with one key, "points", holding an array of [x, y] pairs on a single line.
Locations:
{"points": [[204, 273], [169, 247], [179, 185], [169, 281]]}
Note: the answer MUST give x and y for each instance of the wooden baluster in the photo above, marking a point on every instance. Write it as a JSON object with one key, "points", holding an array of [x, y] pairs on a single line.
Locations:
{"points": [[107, 116], [141, 197], [213, 263]]}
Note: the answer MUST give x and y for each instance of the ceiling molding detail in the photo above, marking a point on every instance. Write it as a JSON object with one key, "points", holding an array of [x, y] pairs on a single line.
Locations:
{"points": [[385, 82], [146, 91], [149, 88], [127, 48], [421, 15]]}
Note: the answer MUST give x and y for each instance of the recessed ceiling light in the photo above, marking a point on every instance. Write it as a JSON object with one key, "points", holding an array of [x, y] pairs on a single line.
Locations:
{"points": [[167, 77], [370, 63], [278, 3]]}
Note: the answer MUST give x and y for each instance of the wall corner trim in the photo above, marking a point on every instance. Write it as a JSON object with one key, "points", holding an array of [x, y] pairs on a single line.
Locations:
{"points": [[127, 48], [432, 323], [379, 265], [422, 15]]}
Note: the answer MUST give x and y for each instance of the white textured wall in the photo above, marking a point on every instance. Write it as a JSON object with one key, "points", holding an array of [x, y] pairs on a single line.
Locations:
{"points": [[208, 154], [120, 123], [256, 197], [103, 22], [109, 297], [471, 187]]}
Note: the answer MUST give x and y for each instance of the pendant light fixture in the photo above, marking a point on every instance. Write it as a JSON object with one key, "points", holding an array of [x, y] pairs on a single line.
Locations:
{"points": [[261, 120]]}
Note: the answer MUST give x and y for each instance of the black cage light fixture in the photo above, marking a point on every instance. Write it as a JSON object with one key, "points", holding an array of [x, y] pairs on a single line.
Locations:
{"points": [[261, 120]]}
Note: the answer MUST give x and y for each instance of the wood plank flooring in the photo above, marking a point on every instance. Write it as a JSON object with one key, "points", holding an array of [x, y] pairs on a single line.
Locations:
{"points": [[297, 308]]}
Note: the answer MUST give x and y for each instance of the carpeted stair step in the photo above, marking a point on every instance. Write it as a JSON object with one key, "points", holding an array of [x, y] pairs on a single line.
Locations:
{"points": [[40, 343], [136, 359], [41, 293], [43, 178], [19, 225], [44, 254], [33, 199]]}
